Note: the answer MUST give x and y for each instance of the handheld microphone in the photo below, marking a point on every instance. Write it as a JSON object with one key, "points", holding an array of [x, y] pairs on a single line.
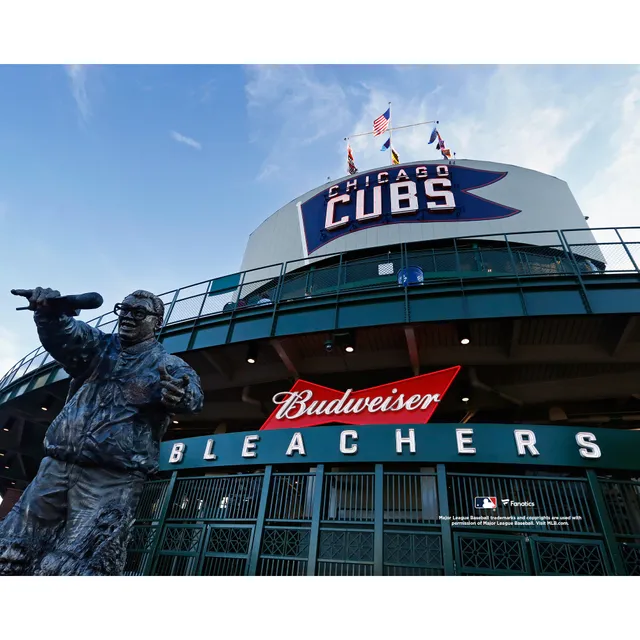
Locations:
{"points": [[72, 303]]}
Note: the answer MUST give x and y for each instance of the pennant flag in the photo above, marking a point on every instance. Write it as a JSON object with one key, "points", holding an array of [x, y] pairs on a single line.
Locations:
{"points": [[434, 134], [385, 146], [394, 156], [380, 124], [442, 148], [350, 161]]}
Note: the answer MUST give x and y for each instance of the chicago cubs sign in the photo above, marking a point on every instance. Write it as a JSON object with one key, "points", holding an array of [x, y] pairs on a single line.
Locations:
{"points": [[405, 193]]}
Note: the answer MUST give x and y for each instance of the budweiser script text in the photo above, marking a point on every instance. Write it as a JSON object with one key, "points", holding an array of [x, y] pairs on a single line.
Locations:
{"points": [[294, 404], [402, 402]]}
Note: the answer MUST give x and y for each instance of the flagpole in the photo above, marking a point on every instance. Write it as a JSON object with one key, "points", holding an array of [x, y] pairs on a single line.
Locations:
{"points": [[348, 146], [390, 130], [405, 126]]}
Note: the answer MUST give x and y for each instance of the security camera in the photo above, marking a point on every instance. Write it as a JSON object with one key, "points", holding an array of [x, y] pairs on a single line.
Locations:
{"points": [[328, 346]]}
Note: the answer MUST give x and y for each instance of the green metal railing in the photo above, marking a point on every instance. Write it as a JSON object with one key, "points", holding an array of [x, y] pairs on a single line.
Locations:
{"points": [[564, 498], [382, 523], [490, 258], [623, 505]]}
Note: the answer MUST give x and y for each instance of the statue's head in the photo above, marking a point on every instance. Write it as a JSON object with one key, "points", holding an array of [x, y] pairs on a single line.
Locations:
{"points": [[140, 317]]}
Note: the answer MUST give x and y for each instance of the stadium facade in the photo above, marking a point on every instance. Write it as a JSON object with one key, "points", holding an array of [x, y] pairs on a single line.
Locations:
{"points": [[426, 369]]}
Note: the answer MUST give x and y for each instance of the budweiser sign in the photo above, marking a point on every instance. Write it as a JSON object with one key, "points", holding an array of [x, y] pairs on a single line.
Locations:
{"points": [[410, 401]]}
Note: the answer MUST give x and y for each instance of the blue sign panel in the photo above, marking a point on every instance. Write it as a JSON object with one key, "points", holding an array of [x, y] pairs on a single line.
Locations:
{"points": [[406, 193]]}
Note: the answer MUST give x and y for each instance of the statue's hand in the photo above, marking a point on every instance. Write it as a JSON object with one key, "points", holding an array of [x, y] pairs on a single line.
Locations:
{"points": [[173, 389], [38, 297]]}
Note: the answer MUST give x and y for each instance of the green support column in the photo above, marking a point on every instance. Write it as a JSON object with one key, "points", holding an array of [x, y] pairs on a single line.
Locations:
{"points": [[148, 565], [254, 556], [276, 298], [315, 520], [445, 524], [610, 541], [404, 264], [378, 522]]}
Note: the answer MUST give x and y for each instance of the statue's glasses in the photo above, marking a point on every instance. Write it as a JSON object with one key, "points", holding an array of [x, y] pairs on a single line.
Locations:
{"points": [[137, 313]]}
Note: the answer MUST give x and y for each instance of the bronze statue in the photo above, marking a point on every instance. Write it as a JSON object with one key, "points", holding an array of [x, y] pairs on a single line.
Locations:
{"points": [[75, 516]]}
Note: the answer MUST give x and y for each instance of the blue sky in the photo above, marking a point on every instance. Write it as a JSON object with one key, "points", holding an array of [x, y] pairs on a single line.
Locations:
{"points": [[114, 178]]}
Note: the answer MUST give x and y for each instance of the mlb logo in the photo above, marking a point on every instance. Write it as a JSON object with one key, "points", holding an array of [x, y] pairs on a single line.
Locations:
{"points": [[486, 502]]}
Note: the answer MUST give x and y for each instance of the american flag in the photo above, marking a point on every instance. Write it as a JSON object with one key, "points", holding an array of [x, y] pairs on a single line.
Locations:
{"points": [[380, 124]]}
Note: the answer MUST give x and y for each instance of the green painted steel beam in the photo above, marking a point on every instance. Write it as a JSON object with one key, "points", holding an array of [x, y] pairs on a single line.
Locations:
{"points": [[378, 521], [254, 554], [448, 557], [153, 552], [314, 537], [605, 522]]}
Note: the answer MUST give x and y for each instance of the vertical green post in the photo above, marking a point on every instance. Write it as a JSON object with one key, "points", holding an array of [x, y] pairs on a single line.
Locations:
{"points": [[234, 308], [316, 514], [378, 522], [572, 259], [192, 335], [610, 541], [254, 556], [167, 315], [336, 320], [523, 301], [626, 248], [148, 565], [445, 523], [465, 302], [404, 264], [276, 297]]}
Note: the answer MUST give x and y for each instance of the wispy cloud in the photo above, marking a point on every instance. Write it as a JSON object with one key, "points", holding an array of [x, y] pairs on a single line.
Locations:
{"points": [[77, 74], [610, 197], [514, 115], [190, 142], [267, 170], [294, 107], [207, 90]]}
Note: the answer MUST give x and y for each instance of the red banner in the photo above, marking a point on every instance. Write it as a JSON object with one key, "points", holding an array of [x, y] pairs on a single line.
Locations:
{"points": [[410, 401]]}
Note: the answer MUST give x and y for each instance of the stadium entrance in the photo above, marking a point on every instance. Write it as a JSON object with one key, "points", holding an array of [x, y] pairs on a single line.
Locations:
{"points": [[388, 519]]}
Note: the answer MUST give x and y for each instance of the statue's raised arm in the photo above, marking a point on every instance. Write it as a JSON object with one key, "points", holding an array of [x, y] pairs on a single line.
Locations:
{"points": [[72, 343]]}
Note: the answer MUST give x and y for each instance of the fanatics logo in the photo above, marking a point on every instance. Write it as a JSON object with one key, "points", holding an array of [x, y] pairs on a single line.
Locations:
{"points": [[486, 502]]}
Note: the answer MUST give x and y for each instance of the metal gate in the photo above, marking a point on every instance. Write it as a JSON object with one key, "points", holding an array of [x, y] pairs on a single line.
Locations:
{"points": [[485, 554], [519, 554], [384, 523], [569, 557]]}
